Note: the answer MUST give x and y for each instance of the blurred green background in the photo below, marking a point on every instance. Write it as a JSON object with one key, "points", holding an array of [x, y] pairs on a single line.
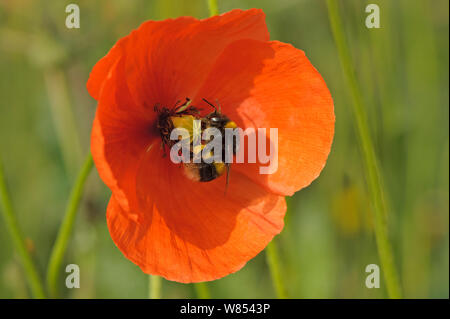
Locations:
{"points": [[46, 116]]}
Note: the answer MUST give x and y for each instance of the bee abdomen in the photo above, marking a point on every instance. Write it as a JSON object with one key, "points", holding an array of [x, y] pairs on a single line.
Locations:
{"points": [[207, 172], [204, 172]]}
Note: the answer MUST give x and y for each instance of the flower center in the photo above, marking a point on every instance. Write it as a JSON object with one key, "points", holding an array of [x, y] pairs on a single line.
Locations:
{"points": [[181, 130]]}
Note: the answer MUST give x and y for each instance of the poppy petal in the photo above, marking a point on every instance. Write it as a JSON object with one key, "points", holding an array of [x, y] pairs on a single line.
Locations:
{"points": [[273, 85], [120, 135], [156, 64], [169, 60], [102, 68], [199, 233]]}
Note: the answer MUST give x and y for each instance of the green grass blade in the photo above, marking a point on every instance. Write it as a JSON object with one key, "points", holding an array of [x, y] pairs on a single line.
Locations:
{"points": [[213, 8], [273, 258], [36, 285], [371, 166], [60, 246], [202, 290], [154, 287]]}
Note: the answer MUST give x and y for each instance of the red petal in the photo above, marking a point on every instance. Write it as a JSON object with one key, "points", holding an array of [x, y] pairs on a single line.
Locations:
{"points": [[160, 62], [168, 60], [189, 231], [102, 68], [273, 85], [120, 135]]}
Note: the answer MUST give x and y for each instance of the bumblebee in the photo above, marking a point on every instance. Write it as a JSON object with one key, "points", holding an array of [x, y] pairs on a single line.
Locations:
{"points": [[205, 172], [183, 116]]}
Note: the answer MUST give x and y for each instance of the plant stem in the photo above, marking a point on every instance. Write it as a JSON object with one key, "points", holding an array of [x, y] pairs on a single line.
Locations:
{"points": [[60, 246], [372, 173], [273, 258], [154, 287], [36, 285], [213, 8], [63, 119], [202, 290]]}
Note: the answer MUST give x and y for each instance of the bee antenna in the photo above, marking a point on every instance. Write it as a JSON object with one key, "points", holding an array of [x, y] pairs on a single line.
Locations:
{"points": [[215, 109], [220, 106]]}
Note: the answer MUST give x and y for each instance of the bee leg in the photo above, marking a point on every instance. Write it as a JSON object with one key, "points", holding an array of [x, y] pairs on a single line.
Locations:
{"points": [[163, 148], [228, 177]]}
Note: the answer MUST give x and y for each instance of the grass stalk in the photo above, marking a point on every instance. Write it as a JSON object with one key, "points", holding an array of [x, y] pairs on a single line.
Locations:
{"points": [[273, 258], [65, 230], [34, 280], [202, 290], [372, 172], [213, 7], [154, 287]]}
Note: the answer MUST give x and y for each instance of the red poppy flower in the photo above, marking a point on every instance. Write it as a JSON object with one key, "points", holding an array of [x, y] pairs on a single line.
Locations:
{"points": [[162, 221]]}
